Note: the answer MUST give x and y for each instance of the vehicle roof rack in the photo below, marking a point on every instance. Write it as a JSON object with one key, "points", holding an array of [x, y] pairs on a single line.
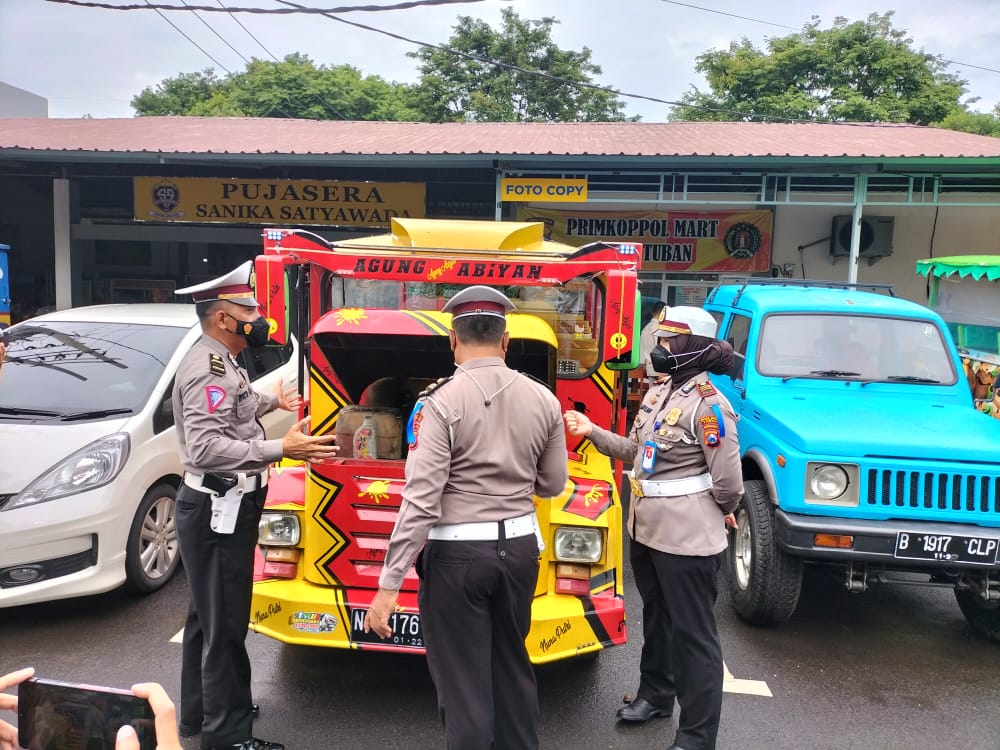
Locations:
{"points": [[745, 281]]}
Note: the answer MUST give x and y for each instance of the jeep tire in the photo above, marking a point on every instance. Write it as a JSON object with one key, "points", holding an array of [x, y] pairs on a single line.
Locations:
{"points": [[764, 581], [983, 616]]}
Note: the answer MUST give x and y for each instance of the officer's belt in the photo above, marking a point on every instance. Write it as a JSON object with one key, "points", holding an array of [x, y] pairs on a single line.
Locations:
{"points": [[248, 481], [484, 531], [670, 487]]}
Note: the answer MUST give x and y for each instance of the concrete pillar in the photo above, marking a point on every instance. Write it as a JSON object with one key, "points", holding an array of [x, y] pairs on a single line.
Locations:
{"points": [[61, 222]]}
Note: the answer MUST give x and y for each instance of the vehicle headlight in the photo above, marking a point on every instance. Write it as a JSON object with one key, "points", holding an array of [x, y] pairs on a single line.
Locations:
{"points": [[279, 530], [828, 481], [576, 544], [92, 466]]}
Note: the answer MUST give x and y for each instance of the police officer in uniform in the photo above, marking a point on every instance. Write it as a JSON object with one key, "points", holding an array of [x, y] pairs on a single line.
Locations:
{"points": [[686, 484], [482, 443], [225, 457]]}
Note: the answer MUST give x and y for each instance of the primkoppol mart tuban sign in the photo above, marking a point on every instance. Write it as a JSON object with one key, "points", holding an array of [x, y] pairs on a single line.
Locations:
{"points": [[320, 202], [690, 241]]}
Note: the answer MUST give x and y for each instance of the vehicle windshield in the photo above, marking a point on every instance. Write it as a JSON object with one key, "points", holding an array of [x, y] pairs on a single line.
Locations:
{"points": [[76, 369], [855, 347], [571, 310]]}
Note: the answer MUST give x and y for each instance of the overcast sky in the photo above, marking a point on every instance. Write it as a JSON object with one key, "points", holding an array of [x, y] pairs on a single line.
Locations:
{"points": [[93, 61]]}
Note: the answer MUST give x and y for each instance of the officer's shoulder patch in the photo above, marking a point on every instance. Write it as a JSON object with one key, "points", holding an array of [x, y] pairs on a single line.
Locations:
{"points": [[216, 366], [706, 389], [433, 387]]}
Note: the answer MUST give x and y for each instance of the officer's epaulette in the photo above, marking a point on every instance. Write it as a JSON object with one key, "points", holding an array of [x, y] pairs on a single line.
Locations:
{"points": [[706, 390], [688, 387], [433, 387], [216, 365]]}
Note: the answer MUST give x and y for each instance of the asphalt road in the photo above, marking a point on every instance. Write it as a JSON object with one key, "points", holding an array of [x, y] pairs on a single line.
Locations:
{"points": [[897, 668]]}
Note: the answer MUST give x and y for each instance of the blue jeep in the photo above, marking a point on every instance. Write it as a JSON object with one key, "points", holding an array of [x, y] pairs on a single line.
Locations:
{"points": [[860, 450]]}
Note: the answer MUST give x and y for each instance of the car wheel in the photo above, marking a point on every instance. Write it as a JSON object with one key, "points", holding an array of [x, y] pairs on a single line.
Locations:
{"points": [[152, 555], [764, 581], [983, 616]]}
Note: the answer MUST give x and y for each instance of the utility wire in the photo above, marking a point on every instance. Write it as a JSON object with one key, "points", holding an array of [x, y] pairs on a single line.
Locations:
{"points": [[549, 76], [316, 96], [272, 11], [212, 29], [792, 28], [181, 32]]}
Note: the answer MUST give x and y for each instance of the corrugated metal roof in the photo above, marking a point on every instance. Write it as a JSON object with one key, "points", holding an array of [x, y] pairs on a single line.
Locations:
{"points": [[227, 135]]}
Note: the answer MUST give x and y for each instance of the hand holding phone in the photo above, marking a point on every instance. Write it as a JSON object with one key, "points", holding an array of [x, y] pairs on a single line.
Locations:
{"points": [[56, 715], [8, 733]]}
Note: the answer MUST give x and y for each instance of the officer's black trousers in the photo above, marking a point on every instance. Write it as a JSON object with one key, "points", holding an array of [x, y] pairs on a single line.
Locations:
{"points": [[475, 610], [215, 673], [681, 654]]}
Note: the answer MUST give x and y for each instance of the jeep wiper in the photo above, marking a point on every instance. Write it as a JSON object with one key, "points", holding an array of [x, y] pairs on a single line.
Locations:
{"points": [[911, 379], [27, 412], [834, 373], [94, 414]]}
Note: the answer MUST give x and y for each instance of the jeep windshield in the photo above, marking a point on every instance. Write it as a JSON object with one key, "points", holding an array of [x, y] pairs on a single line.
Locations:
{"points": [[854, 347], [83, 370]]}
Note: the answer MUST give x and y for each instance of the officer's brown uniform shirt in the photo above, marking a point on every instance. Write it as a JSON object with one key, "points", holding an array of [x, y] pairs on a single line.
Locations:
{"points": [[216, 412], [687, 524], [472, 462]]}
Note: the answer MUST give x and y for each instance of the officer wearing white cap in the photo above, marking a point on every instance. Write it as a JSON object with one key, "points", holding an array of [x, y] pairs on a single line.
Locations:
{"points": [[687, 482], [225, 456], [482, 443]]}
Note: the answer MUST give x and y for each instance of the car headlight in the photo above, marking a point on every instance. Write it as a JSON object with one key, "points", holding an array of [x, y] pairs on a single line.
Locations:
{"points": [[92, 466], [828, 482], [279, 530], [576, 544]]}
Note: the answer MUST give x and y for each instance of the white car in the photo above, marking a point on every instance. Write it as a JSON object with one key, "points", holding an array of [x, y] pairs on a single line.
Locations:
{"points": [[89, 464]]}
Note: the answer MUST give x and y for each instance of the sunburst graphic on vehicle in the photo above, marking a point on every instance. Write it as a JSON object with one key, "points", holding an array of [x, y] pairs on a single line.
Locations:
{"points": [[350, 315], [377, 491]]}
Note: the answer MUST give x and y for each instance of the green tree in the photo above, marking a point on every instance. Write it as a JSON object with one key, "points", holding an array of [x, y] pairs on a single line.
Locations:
{"points": [[295, 87], [454, 87], [176, 96], [980, 123], [865, 71]]}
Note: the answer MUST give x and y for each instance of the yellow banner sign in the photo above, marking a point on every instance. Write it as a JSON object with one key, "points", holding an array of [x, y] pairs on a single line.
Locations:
{"points": [[543, 190], [235, 201]]}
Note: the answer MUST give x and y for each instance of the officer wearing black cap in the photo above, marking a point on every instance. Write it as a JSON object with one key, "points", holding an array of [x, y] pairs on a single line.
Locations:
{"points": [[225, 457], [482, 444]]}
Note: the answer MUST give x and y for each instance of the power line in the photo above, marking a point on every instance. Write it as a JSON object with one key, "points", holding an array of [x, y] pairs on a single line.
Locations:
{"points": [[266, 11], [316, 96], [212, 29], [549, 76], [792, 28], [181, 32]]}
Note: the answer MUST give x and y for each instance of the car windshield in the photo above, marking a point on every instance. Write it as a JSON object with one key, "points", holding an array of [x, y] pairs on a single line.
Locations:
{"points": [[856, 347], [78, 369]]}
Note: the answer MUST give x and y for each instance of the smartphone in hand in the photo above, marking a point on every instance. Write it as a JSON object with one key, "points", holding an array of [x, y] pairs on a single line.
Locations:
{"points": [[55, 715]]}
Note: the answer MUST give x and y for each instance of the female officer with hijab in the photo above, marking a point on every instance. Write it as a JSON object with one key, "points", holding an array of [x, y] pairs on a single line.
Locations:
{"points": [[686, 484]]}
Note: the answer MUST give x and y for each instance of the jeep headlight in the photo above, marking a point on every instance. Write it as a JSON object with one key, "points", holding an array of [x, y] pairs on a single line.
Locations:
{"points": [[278, 530], [576, 544], [93, 466], [827, 481]]}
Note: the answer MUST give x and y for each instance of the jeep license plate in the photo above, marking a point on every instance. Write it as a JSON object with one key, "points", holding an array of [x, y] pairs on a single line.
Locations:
{"points": [[946, 548], [406, 630]]}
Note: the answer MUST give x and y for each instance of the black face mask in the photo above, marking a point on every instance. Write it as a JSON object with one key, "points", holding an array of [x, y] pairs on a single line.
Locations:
{"points": [[256, 331], [667, 363]]}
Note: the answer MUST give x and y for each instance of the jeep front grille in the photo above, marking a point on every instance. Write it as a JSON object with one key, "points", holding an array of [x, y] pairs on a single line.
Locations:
{"points": [[934, 490]]}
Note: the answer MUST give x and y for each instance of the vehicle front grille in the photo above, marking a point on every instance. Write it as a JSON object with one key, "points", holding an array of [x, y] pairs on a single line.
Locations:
{"points": [[934, 490]]}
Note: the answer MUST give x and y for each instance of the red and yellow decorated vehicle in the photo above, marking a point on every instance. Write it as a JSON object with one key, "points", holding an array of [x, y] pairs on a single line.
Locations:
{"points": [[375, 338]]}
